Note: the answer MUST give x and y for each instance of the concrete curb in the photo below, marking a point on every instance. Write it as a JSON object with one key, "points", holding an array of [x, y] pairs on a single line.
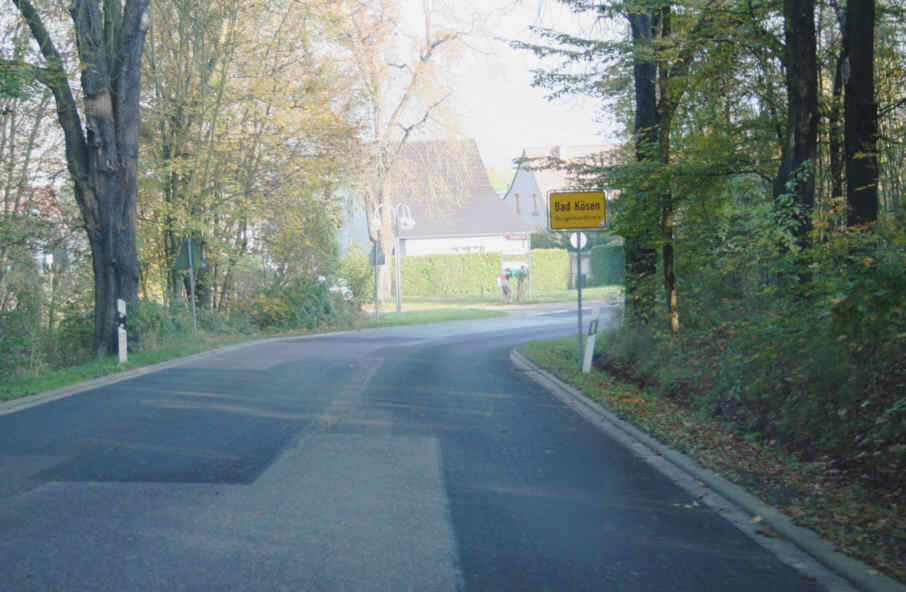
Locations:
{"points": [[822, 550]]}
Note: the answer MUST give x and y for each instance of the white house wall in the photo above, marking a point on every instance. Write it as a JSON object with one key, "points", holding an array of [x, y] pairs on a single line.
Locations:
{"points": [[465, 244], [527, 199]]}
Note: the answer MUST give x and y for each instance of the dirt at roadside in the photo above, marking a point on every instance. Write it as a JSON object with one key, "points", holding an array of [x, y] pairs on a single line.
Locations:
{"points": [[866, 519]]}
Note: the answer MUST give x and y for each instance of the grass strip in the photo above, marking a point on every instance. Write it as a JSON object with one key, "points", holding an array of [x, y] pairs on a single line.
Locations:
{"points": [[859, 522]]}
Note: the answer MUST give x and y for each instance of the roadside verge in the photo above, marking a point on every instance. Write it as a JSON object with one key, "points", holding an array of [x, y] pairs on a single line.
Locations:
{"points": [[22, 403], [697, 479]]}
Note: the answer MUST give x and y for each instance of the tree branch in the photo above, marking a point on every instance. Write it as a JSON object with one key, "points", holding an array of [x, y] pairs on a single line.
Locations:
{"points": [[53, 76]]}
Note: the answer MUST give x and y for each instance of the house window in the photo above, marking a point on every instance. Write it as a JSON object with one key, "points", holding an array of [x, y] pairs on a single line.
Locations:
{"points": [[517, 203], [534, 204]]}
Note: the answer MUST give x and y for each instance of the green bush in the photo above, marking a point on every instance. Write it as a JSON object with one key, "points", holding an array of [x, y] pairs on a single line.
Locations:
{"points": [[158, 325], [550, 270], [21, 319], [359, 275], [804, 346], [450, 275], [17, 343], [214, 323], [473, 274], [74, 338], [607, 263], [302, 304]]}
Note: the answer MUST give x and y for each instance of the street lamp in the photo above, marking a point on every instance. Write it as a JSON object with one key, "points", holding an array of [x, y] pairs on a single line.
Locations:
{"points": [[402, 219]]}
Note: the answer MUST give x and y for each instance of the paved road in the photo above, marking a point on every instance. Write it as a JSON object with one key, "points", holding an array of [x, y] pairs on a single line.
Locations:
{"points": [[398, 459]]}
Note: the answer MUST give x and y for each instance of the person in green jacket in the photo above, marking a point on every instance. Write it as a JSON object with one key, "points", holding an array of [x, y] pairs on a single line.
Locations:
{"points": [[521, 275]]}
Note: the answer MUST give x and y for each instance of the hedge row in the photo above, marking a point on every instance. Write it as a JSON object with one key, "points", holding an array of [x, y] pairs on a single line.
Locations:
{"points": [[450, 275], [467, 274], [550, 270], [607, 264]]}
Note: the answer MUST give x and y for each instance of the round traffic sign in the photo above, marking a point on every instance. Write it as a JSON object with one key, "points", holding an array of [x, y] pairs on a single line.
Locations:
{"points": [[578, 240]]}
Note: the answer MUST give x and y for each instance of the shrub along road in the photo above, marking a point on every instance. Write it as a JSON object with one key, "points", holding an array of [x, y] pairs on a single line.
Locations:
{"points": [[403, 458]]}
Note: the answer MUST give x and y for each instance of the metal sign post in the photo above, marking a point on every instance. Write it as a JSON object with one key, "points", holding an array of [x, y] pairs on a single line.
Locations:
{"points": [[190, 260], [579, 283], [396, 265], [376, 257], [579, 240], [574, 211]]}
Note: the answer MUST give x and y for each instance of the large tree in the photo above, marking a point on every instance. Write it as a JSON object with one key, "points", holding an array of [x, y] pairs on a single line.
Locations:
{"points": [[641, 258], [190, 50], [102, 152], [799, 150], [249, 129], [666, 40], [402, 95], [861, 128]]}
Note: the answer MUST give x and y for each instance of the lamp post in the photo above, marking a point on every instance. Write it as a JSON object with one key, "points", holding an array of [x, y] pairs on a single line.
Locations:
{"points": [[375, 252], [402, 219]]}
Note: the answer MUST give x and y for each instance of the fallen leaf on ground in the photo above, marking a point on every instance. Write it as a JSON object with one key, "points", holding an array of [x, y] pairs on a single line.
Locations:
{"points": [[765, 532]]}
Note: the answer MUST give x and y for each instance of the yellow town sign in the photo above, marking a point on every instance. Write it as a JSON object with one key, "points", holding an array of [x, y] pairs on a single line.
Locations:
{"points": [[577, 210]]}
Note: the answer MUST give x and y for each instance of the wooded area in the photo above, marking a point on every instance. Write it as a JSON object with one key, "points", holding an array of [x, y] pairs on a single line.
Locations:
{"points": [[761, 200], [127, 129], [763, 211]]}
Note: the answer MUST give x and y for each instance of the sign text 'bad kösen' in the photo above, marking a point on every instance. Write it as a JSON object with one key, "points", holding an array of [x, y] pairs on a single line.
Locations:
{"points": [[577, 210]]}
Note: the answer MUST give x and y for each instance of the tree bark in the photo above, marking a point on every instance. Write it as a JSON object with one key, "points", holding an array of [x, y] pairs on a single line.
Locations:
{"points": [[799, 153], [102, 157], [837, 157], [386, 273], [861, 114], [641, 258], [667, 105]]}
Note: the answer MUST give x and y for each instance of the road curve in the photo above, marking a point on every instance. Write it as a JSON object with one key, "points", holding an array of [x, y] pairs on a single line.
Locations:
{"points": [[399, 459]]}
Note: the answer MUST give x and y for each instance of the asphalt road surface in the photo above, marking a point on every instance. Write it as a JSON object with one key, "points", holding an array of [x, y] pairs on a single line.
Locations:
{"points": [[412, 458]]}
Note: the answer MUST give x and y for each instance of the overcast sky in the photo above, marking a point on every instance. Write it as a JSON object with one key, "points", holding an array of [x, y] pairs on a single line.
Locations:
{"points": [[496, 104]]}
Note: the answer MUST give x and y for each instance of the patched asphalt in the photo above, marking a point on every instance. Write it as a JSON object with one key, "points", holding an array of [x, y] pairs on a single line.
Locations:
{"points": [[404, 459]]}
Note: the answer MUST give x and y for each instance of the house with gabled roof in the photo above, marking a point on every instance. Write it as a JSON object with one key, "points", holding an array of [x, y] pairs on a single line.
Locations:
{"points": [[542, 170], [446, 188], [466, 215]]}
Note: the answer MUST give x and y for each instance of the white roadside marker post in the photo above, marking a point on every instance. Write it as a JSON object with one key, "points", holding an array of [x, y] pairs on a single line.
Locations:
{"points": [[590, 342], [121, 330]]}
